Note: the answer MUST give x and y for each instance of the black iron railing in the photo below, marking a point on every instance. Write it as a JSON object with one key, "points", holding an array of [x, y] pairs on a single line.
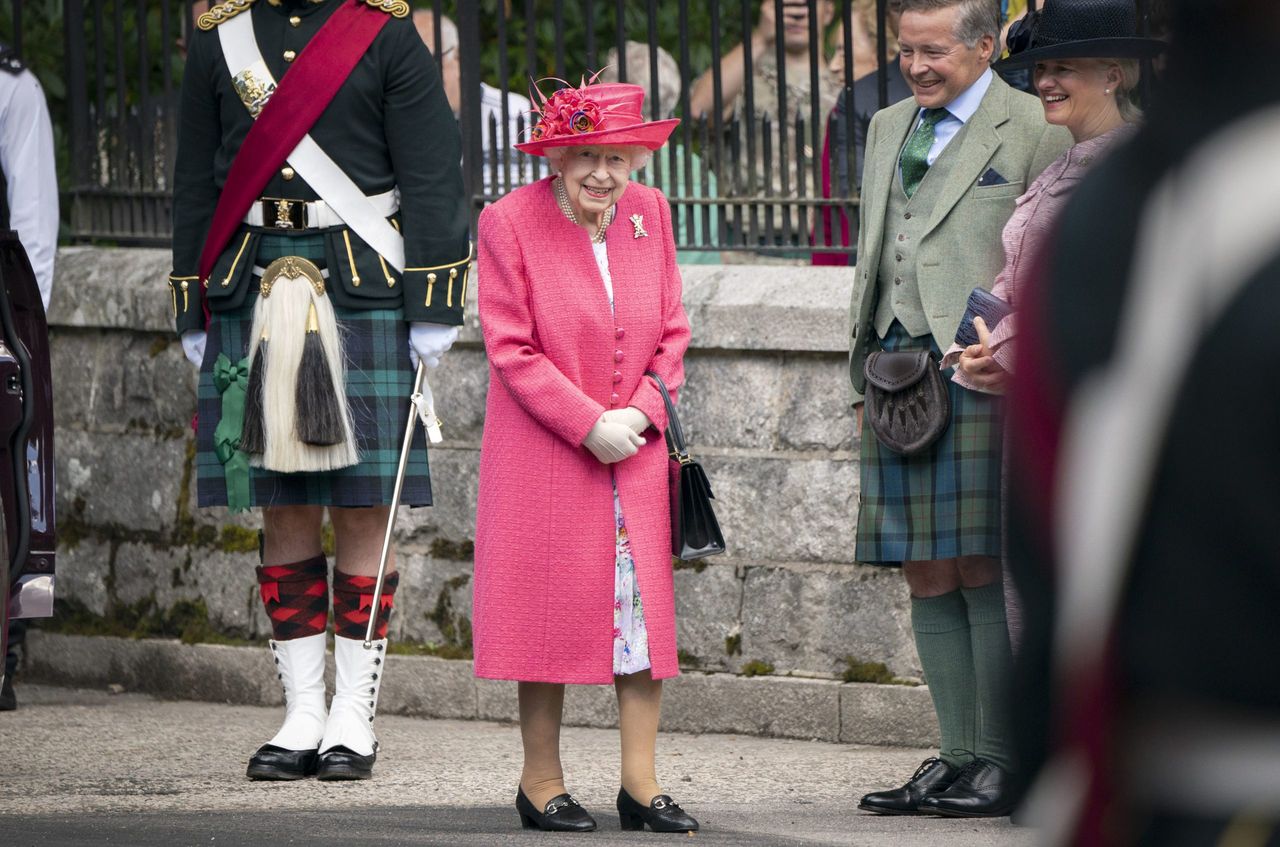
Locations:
{"points": [[122, 70], [755, 169]]}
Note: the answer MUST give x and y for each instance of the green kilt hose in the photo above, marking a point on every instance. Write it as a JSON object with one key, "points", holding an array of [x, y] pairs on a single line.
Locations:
{"points": [[379, 379], [941, 504]]}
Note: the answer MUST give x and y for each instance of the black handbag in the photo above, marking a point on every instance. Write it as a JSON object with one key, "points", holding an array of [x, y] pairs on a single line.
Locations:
{"points": [[907, 404], [695, 532]]}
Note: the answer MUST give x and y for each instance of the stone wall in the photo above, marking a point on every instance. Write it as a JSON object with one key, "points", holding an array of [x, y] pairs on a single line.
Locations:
{"points": [[765, 407]]}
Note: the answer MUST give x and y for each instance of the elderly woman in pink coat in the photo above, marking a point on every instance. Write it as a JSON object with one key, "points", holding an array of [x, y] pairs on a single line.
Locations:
{"points": [[579, 298]]}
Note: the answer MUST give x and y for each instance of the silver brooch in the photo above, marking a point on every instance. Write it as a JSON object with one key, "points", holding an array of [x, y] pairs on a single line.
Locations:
{"points": [[637, 221]]}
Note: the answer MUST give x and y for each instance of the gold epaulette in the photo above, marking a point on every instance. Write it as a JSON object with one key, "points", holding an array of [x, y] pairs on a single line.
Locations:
{"points": [[395, 8], [222, 12]]}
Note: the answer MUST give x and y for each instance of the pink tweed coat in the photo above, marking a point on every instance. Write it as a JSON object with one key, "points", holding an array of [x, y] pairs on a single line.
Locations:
{"points": [[544, 557]]}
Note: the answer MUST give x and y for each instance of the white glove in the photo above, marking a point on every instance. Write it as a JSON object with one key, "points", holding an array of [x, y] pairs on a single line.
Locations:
{"points": [[630, 417], [193, 341], [612, 442], [430, 342]]}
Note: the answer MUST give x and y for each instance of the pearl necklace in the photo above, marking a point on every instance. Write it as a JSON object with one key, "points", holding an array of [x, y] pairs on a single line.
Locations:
{"points": [[562, 199]]}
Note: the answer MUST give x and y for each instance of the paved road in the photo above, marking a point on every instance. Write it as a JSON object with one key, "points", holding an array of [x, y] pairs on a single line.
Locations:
{"points": [[87, 767]]}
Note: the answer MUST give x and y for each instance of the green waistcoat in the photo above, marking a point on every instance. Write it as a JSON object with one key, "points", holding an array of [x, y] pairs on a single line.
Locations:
{"points": [[906, 220]]}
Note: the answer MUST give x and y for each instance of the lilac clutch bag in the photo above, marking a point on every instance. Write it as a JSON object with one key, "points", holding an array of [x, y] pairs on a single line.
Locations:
{"points": [[982, 304]]}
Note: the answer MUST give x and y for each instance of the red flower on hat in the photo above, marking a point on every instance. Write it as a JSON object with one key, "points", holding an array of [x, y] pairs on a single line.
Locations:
{"points": [[569, 111]]}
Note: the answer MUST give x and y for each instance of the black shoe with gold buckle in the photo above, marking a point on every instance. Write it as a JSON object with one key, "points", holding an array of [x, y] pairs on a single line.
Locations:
{"points": [[562, 814]]}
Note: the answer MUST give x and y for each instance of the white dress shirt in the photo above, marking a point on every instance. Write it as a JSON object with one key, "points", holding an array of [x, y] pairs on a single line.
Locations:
{"points": [[27, 158]]}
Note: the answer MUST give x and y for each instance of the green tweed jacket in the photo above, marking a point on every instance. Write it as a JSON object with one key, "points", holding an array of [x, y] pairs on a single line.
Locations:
{"points": [[961, 248]]}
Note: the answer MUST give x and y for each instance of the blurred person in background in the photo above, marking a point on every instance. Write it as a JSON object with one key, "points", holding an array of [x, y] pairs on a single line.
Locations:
{"points": [[1018, 76], [767, 104], [673, 179], [835, 226], [29, 207], [1145, 479], [496, 136]]}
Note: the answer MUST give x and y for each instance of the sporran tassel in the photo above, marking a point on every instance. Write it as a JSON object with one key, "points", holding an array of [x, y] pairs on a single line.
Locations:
{"points": [[253, 438], [319, 415]]}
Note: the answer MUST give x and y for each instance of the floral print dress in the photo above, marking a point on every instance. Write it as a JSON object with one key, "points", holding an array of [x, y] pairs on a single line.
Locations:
{"points": [[630, 637]]}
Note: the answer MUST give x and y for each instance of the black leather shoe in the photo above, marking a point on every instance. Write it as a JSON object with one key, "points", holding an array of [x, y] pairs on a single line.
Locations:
{"points": [[932, 776], [662, 814], [277, 763], [562, 814], [982, 790], [340, 763]]}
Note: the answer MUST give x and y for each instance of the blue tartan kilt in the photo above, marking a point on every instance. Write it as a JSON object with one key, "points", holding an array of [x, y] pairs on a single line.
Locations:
{"points": [[941, 504], [379, 380]]}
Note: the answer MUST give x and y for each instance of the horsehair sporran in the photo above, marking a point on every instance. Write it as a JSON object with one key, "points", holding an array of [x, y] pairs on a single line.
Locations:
{"points": [[281, 315]]}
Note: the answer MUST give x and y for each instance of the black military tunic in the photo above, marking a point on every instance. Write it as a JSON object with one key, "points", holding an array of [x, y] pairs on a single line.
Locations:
{"points": [[388, 126]]}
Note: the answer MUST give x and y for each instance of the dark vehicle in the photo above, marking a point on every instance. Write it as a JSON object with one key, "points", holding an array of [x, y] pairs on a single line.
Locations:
{"points": [[26, 444]]}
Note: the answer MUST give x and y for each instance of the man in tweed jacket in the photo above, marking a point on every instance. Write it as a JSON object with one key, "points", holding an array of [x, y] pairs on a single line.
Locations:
{"points": [[942, 175]]}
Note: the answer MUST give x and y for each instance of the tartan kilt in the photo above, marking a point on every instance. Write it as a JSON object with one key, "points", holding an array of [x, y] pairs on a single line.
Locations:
{"points": [[379, 380], [941, 504]]}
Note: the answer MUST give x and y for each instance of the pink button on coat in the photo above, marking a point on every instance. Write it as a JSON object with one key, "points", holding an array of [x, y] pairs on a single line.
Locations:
{"points": [[544, 557]]}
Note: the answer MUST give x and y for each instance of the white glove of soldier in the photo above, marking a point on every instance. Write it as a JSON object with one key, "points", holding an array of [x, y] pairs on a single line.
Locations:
{"points": [[193, 341], [429, 342], [630, 417], [612, 442]]}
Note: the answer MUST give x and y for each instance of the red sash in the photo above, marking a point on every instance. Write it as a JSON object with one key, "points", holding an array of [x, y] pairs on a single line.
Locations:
{"points": [[295, 106]]}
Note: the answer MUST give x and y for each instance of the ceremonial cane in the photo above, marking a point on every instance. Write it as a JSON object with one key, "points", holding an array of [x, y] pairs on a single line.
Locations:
{"points": [[420, 405]]}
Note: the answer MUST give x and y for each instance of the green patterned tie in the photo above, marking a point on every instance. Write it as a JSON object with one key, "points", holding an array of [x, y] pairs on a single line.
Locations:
{"points": [[915, 156]]}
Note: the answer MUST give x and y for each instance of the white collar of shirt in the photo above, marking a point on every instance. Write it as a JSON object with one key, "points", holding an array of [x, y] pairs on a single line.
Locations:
{"points": [[959, 111]]}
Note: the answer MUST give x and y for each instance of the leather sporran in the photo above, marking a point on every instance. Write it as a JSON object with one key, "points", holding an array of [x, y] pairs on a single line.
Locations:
{"points": [[907, 404], [695, 532]]}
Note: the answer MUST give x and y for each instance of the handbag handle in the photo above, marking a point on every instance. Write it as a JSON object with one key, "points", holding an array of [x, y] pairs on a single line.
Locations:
{"points": [[675, 433]]}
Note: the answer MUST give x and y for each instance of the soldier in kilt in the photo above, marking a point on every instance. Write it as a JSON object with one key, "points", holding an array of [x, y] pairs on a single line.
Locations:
{"points": [[303, 414], [943, 171]]}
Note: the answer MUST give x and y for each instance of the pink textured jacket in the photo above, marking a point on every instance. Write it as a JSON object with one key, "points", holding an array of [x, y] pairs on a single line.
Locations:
{"points": [[1026, 231], [544, 557]]}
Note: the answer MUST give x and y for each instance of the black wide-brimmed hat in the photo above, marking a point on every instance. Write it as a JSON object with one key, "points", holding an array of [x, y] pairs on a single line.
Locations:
{"points": [[1075, 29]]}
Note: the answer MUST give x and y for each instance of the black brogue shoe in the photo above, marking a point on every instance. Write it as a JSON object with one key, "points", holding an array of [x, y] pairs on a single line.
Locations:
{"points": [[982, 790], [933, 776]]}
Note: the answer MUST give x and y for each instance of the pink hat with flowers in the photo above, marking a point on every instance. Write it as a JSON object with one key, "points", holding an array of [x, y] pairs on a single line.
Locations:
{"points": [[594, 113]]}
